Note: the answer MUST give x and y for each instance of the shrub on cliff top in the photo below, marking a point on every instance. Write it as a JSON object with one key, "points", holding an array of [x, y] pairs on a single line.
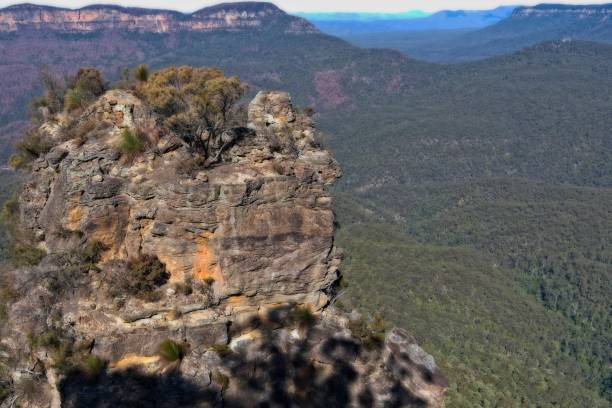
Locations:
{"points": [[196, 103], [141, 73], [33, 145]]}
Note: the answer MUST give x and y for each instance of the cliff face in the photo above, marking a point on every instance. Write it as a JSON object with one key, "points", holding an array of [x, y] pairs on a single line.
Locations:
{"points": [[231, 16], [252, 239], [260, 226], [550, 10]]}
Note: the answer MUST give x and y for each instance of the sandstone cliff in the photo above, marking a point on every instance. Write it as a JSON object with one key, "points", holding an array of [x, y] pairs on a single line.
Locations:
{"points": [[248, 245], [230, 16]]}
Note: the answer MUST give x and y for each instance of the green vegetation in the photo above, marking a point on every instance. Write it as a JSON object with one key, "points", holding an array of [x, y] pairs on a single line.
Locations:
{"points": [[93, 365], [141, 277], [221, 380], [496, 343], [222, 350], [84, 88], [371, 333], [141, 73], [495, 175], [92, 252], [552, 240], [33, 145], [17, 246], [303, 316], [196, 103], [72, 94], [170, 350], [131, 142]]}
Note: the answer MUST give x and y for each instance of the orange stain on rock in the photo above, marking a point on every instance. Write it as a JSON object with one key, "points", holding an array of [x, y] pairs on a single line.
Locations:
{"points": [[134, 360], [204, 263], [75, 213], [236, 300]]}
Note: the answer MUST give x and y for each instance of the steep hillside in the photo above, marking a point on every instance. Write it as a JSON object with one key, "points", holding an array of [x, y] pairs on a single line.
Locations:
{"points": [[542, 113], [530, 25], [497, 344], [414, 140]]}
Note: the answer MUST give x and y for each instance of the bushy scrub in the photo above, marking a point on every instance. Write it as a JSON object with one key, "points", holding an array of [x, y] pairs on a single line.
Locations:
{"points": [[141, 73], [131, 142], [195, 103], [303, 316], [141, 277], [220, 379], [22, 251], [170, 350], [33, 145], [93, 365], [222, 350]]}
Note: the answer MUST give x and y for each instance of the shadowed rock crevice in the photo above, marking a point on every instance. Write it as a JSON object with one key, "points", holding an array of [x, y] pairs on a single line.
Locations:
{"points": [[319, 365]]}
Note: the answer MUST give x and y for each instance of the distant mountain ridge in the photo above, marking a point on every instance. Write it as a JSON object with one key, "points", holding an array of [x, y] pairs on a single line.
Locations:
{"points": [[336, 16], [229, 16], [548, 9], [523, 27], [531, 25], [442, 20]]}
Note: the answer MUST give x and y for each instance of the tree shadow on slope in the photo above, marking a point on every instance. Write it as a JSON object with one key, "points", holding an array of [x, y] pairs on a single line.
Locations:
{"points": [[134, 389], [316, 369]]}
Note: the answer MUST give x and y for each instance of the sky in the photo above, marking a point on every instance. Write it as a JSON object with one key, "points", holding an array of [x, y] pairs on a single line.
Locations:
{"points": [[386, 6]]}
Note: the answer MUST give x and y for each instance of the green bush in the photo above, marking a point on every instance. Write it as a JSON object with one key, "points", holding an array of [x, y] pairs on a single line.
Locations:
{"points": [[170, 350], [84, 88], [92, 252], [222, 350], [303, 316], [24, 254], [74, 99], [141, 73], [372, 333], [145, 274], [93, 365], [220, 379], [33, 145], [18, 161], [131, 142]]}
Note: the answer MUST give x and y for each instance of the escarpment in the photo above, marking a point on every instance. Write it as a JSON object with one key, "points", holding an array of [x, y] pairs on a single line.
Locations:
{"points": [[229, 16], [179, 279]]}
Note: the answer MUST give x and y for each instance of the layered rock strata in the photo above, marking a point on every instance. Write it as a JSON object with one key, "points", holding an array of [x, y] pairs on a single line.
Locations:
{"points": [[252, 236], [231, 16]]}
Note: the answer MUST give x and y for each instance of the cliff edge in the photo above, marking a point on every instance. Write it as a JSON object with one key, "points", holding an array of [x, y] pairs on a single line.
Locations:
{"points": [[175, 279]]}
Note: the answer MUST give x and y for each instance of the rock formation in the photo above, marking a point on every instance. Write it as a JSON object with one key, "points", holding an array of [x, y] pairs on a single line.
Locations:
{"points": [[249, 247], [230, 16]]}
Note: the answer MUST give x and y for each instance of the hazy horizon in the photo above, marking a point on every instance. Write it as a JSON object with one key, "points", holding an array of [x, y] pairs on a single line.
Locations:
{"points": [[314, 6]]}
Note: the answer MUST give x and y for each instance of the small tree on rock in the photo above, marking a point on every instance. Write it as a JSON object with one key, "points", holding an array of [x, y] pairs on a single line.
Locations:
{"points": [[196, 103]]}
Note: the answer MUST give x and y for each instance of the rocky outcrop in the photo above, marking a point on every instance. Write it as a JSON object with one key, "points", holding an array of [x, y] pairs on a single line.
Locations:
{"points": [[230, 16], [259, 226], [252, 237]]}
